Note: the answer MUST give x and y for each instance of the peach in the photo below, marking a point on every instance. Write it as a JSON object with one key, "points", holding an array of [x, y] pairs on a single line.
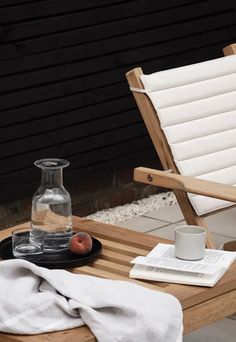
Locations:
{"points": [[80, 243]]}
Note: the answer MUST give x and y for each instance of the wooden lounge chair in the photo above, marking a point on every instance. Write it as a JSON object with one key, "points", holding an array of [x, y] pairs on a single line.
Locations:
{"points": [[190, 114]]}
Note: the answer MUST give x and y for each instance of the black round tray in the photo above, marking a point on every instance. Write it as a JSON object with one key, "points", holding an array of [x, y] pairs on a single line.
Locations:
{"points": [[64, 259]]}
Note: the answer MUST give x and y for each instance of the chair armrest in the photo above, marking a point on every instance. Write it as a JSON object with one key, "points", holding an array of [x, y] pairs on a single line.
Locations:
{"points": [[184, 183]]}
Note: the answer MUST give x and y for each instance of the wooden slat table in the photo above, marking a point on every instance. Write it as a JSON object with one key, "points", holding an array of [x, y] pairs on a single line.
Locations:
{"points": [[201, 305]]}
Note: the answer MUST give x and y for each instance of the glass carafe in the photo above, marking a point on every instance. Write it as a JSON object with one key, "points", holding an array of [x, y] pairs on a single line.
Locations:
{"points": [[51, 206]]}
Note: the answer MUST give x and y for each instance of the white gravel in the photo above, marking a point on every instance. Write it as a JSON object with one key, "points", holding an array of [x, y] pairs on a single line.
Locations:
{"points": [[136, 208]]}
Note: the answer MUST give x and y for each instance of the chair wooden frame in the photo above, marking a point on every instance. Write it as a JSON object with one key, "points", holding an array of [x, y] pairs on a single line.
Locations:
{"points": [[180, 184]]}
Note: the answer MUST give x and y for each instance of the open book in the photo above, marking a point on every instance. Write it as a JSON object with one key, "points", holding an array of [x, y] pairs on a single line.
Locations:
{"points": [[162, 265]]}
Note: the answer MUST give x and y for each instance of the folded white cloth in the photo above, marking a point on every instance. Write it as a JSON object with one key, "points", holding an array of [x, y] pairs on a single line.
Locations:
{"points": [[36, 300]]}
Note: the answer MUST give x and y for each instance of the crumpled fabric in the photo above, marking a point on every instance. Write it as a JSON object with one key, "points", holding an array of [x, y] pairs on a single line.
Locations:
{"points": [[37, 300]]}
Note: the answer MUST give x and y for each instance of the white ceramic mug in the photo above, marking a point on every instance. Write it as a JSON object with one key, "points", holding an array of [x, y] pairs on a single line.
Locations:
{"points": [[190, 242]]}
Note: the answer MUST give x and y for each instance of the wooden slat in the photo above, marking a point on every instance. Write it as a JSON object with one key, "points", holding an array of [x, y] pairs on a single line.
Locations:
{"points": [[30, 173], [7, 3], [35, 10], [130, 41], [54, 123], [68, 108], [116, 234], [71, 69], [67, 88], [74, 101], [89, 270], [57, 128], [124, 248], [15, 184], [109, 14], [8, 51], [208, 52], [118, 257], [63, 64], [39, 9], [68, 134], [62, 89], [128, 24], [50, 42], [168, 48], [121, 33], [85, 335], [82, 168], [70, 53], [112, 267], [60, 128], [87, 148]]}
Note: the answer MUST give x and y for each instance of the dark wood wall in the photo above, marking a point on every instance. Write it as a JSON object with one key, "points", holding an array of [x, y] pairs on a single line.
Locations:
{"points": [[62, 87]]}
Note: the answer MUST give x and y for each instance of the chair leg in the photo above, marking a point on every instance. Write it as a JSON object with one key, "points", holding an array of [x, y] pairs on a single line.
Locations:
{"points": [[191, 217]]}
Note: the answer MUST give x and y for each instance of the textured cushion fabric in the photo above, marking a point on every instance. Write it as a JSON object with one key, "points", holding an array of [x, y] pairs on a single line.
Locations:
{"points": [[196, 106]]}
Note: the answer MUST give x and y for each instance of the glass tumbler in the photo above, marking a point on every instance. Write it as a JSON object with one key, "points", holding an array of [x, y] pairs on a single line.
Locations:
{"points": [[25, 247], [51, 206]]}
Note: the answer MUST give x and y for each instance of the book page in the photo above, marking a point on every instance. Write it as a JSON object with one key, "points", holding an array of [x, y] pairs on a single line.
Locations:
{"points": [[162, 265], [174, 276], [213, 257], [175, 264]]}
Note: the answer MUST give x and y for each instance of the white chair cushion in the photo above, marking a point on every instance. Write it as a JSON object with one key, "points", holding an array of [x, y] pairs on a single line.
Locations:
{"points": [[196, 106]]}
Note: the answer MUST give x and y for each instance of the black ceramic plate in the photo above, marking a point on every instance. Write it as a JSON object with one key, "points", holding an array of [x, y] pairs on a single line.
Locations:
{"points": [[64, 259]]}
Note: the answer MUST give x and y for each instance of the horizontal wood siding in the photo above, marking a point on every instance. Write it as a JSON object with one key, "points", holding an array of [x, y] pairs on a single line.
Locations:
{"points": [[63, 91]]}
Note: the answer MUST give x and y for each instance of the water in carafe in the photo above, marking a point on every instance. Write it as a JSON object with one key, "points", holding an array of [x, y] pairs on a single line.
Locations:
{"points": [[51, 207]]}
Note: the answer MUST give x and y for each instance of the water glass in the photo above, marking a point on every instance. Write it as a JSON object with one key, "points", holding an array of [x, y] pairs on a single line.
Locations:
{"points": [[25, 246]]}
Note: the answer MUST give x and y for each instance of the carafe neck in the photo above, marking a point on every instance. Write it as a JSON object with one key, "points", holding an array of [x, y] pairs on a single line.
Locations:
{"points": [[51, 177]]}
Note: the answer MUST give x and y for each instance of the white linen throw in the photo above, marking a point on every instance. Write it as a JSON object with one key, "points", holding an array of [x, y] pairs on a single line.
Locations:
{"points": [[35, 300]]}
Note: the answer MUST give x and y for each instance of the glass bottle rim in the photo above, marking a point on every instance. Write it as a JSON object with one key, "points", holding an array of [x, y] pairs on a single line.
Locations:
{"points": [[51, 163]]}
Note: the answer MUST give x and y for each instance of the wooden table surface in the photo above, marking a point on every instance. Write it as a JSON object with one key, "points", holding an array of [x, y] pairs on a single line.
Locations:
{"points": [[201, 305]]}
